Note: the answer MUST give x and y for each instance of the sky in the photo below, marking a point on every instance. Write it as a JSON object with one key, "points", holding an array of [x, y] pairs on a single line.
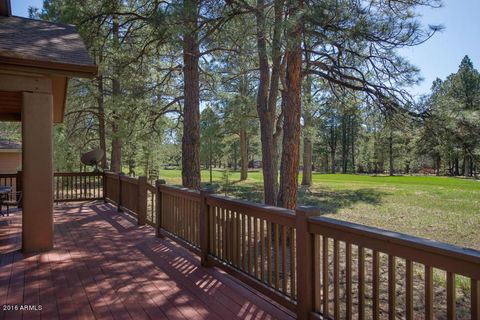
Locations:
{"points": [[437, 58]]}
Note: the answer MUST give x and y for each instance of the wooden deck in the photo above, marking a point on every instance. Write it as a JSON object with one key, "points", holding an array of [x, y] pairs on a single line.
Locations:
{"points": [[106, 267]]}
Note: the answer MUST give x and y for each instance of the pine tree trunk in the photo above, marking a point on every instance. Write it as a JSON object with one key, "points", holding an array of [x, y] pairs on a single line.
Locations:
{"points": [[116, 156], [101, 121], [191, 93], [210, 161], [266, 103], [243, 154], [287, 195], [307, 162], [352, 142], [344, 144], [235, 157], [467, 170], [390, 153], [307, 125], [333, 147]]}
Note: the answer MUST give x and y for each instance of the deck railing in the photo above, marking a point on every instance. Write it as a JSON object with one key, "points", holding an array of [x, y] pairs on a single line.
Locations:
{"points": [[77, 186], [12, 180], [67, 186], [318, 267]]}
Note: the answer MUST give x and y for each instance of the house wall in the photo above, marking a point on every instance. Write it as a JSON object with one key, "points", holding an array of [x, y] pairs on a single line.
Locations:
{"points": [[10, 162]]}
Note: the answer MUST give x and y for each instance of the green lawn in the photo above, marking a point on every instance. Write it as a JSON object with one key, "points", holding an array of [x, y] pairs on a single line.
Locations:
{"points": [[440, 208]]}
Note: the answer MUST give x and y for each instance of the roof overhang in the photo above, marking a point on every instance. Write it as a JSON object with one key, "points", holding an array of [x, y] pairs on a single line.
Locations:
{"points": [[38, 56], [14, 82], [47, 67]]}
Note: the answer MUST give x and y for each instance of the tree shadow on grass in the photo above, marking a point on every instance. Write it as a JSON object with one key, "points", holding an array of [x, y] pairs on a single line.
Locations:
{"points": [[330, 201], [251, 192]]}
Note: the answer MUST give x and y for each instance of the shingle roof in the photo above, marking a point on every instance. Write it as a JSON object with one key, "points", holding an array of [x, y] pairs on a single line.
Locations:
{"points": [[7, 144], [35, 42]]}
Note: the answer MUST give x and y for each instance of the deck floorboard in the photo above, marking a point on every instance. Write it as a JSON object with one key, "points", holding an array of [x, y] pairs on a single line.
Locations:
{"points": [[104, 266]]}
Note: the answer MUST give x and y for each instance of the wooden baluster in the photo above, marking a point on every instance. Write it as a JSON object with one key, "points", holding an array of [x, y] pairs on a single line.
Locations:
{"points": [[276, 256], [429, 312], [375, 285], [57, 189], [187, 218], [392, 281], [235, 239], [336, 279], [269, 253], [232, 238], [238, 234], [361, 283], [224, 235], [284, 259], [242, 241], [475, 298], [262, 250], [325, 293], [229, 235], [171, 214], [348, 279], [180, 220], [255, 247], [214, 231], [219, 230], [451, 296], [159, 211], [248, 244], [174, 223], [409, 289], [142, 201], [165, 210], [182, 217], [317, 272], [292, 264], [193, 221]]}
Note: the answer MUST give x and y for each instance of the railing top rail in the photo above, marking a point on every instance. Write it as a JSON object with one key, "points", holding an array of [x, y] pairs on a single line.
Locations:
{"points": [[129, 179], [8, 175], [272, 213], [343, 229], [72, 174], [179, 190]]}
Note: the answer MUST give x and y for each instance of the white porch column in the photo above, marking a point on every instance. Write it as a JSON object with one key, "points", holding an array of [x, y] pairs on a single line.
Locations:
{"points": [[37, 167]]}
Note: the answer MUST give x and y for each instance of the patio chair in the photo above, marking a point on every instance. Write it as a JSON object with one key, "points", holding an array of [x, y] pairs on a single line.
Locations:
{"points": [[14, 201]]}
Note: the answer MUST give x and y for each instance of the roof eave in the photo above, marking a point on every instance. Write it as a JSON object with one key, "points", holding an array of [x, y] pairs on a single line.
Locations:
{"points": [[48, 67]]}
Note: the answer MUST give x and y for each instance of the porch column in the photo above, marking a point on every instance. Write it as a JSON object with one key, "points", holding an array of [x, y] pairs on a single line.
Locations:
{"points": [[37, 166]]}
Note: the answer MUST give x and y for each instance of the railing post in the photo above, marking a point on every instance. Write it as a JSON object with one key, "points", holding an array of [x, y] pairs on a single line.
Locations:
{"points": [[142, 200], [158, 211], [119, 203], [204, 227], [305, 268], [18, 185], [104, 186]]}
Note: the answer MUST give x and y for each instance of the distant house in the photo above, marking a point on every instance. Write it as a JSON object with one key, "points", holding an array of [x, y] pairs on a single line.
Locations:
{"points": [[10, 156]]}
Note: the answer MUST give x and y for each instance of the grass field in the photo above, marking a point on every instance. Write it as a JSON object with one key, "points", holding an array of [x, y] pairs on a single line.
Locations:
{"points": [[439, 208]]}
